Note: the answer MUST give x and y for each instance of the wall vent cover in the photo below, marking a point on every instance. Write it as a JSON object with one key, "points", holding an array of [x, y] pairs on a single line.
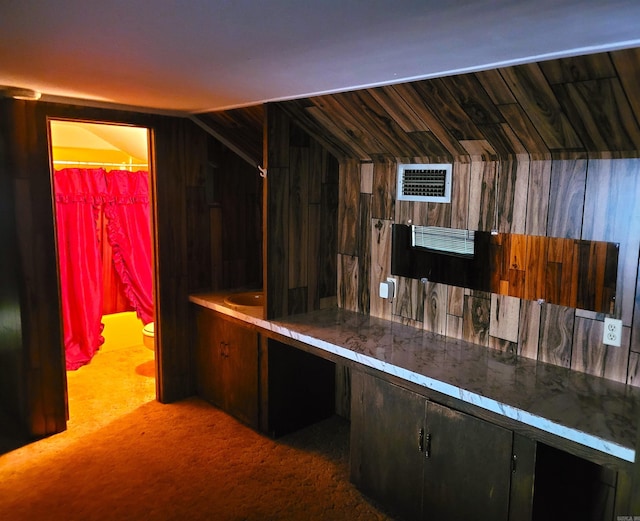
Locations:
{"points": [[427, 183], [446, 240]]}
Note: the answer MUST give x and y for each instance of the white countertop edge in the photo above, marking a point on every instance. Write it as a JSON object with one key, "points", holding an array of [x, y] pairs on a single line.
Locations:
{"points": [[489, 404]]}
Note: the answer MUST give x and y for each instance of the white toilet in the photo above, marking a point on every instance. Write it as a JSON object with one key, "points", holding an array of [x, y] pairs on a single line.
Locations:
{"points": [[148, 333]]}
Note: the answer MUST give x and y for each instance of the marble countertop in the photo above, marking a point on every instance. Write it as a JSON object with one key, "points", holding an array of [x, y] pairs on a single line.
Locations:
{"points": [[592, 411]]}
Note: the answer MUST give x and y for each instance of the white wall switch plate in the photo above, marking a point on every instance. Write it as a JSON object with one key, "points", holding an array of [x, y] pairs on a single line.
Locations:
{"points": [[612, 335]]}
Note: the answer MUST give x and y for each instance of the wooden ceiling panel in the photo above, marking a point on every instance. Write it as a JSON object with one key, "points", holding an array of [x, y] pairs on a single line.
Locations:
{"points": [[600, 114], [567, 107], [473, 99], [495, 87], [627, 64], [337, 107], [534, 94], [524, 129], [424, 112], [399, 109], [578, 68], [444, 105]]}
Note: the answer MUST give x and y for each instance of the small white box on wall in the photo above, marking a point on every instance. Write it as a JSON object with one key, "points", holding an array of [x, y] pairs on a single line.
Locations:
{"points": [[388, 288]]}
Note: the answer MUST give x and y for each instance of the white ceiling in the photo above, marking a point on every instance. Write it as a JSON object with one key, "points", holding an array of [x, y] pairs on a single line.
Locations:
{"points": [[202, 55]]}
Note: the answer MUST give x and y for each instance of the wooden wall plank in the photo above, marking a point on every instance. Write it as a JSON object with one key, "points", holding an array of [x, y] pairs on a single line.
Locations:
{"points": [[373, 115], [538, 197], [536, 263], [566, 203], [435, 308], [314, 247], [384, 189], [477, 313], [380, 266], [578, 68], [349, 148], [424, 112], [627, 65], [470, 95], [513, 182], [504, 318], [329, 231], [348, 211], [317, 168], [399, 109], [409, 302], [437, 96], [533, 93], [277, 247], [529, 329], [556, 334], [298, 218], [610, 124], [336, 108], [460, 185], [482, 192], [198, 227], [495, 87], [364, 256], [348, 282], [612, 213]]}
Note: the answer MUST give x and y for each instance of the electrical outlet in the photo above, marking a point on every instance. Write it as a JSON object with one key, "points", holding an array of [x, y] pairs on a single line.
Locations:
{"points": [[612, 335]]}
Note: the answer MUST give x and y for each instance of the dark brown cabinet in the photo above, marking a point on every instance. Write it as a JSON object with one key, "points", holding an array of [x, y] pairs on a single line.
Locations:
{"points": [[227, 365], [424, 460], [467, 467]]}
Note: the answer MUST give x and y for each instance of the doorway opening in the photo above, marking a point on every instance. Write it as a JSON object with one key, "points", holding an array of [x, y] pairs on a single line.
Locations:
{"points": [[101, 183]]}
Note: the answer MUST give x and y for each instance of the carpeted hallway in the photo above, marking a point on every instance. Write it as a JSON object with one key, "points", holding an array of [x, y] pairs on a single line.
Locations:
{"points": [[127, 457]]}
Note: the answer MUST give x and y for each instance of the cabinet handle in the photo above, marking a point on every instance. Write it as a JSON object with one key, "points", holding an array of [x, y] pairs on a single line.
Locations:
{"points": [[427, 445], [421, 440], [514, 462]]}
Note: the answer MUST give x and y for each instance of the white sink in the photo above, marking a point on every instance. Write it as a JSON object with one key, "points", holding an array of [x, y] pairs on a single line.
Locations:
{"points": [[247, 301]]}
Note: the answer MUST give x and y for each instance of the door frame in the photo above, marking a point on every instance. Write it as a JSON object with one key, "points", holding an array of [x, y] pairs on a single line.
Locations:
{"points": [[150, 172], [40, 391]]}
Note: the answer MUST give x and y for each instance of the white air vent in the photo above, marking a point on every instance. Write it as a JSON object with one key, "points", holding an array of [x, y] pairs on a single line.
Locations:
{"points": [[446, 240], [427, 183]]}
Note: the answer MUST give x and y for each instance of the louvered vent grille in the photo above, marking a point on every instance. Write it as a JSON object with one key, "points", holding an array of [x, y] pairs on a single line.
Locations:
{"points": [[445, 240], [428, 183]]}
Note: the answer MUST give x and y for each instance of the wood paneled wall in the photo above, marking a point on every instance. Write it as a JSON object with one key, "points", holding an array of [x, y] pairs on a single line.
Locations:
{"points": [[301, 208], [540, 149], [585, 105], [35, 391], [226, 231], [607, 208], [12, 392]]}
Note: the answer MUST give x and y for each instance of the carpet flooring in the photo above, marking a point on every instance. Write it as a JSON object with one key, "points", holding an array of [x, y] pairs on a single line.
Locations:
{"points": [[125, 457]]}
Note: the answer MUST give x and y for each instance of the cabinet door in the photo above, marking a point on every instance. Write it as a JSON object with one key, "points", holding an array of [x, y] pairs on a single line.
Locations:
{"points": [[240, 373], [386, 426], [227, 366], [467, 471], [210, 332]]}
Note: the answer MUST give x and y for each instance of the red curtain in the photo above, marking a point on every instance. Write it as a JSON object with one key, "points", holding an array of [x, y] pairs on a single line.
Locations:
{"points": [[114, 299], [129, 231], [81, 196]]}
